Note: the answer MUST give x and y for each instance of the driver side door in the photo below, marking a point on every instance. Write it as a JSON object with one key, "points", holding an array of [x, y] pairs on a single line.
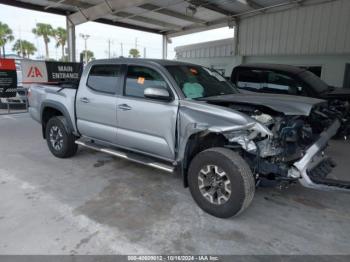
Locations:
{"points": [[143, 124]]}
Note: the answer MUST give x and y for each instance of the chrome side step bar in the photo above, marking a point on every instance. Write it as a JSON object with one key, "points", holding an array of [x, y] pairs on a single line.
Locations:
{"points": [[134, 157]]}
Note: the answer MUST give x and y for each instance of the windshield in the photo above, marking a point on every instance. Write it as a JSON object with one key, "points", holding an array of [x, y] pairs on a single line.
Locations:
{"points": [[314, 81], [198, 82]]}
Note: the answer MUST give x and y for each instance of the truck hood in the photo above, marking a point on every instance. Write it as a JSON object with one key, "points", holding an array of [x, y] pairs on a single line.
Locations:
{"points": [[286, 104]]}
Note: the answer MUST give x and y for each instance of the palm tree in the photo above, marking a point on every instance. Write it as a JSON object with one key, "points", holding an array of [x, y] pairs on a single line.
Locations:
{"points": [[30, 48], [24, 48], [61, 39], [133, 52], [5, 36], [46, 31], [89, 55], [19, 48]]}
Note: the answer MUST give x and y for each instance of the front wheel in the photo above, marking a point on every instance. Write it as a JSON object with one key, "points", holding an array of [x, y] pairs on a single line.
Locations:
{"points": [[221, 182], [60, 140]]}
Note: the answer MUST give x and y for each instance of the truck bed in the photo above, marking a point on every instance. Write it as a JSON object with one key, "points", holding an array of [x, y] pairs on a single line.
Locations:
{"points": [[54, 94]]}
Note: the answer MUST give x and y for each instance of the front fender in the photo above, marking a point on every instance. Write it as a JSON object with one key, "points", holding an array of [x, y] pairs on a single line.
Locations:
{"points": [[200, 117]]}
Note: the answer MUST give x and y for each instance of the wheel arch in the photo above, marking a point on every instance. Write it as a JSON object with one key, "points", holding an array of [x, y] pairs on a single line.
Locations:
{"points": [[196, 143], [50, 109]]}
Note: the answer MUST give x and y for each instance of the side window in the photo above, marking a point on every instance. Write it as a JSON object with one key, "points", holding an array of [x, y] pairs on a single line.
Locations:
{"points": [[249, 79], [104, 78], [282, 84], [139, 78]]}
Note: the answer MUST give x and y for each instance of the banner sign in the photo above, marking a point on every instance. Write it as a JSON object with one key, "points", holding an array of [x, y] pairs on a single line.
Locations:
{"points": [[60, 71], [8, 78], [33, 72], [50, 71]]}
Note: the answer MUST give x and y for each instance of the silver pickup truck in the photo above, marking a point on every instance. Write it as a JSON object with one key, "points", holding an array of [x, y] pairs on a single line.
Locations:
{"points": [[185, 118]]}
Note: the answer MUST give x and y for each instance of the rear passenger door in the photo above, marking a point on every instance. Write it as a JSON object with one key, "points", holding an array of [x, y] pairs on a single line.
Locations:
{"points": [[146, 125], [96, 102]]}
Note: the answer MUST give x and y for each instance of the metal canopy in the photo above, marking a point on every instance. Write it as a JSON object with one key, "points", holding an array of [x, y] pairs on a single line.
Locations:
{"points": [[167, 17]]}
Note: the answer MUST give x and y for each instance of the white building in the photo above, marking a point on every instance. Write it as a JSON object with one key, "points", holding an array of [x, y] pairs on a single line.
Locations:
{"points": [[316, 36]]}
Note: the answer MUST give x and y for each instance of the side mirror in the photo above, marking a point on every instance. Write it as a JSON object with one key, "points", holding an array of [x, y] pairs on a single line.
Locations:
{"points": [[157, 93]]}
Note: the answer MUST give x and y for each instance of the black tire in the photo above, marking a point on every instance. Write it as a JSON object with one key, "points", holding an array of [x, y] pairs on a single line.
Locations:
{"points": [[236, 170], [67, 147]]}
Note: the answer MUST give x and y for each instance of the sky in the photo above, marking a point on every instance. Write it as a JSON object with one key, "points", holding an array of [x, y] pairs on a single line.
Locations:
{"points": [[22, 21]]}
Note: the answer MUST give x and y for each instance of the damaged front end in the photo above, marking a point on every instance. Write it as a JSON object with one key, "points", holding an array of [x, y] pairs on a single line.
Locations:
{"points": [[289, 148]]}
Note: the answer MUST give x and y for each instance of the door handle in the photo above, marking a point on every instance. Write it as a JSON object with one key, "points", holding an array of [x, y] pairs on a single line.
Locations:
{"points": [[124, 107], [84, 100]]}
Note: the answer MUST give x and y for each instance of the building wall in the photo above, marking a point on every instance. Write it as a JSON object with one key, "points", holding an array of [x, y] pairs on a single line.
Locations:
{"points": [[317, 35], [219, 48], [222, 64], [307, 30]]}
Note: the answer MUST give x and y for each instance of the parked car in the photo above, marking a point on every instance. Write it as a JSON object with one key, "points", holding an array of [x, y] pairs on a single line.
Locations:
{"points": [[185, 118], [292, 80], [21, 95]]}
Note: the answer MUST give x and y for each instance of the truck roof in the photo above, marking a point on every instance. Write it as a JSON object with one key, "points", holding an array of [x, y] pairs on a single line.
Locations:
{"points": [[279, 67], [162, 62]]}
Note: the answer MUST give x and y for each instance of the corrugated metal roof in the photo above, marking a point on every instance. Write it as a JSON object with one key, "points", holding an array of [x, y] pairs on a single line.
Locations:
{"points": [[172, 17], [320, 29]]}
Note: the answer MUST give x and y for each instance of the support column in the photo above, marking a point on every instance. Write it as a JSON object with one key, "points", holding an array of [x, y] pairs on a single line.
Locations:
{"points": [[164, 46], [236, 38], [71, 40]]}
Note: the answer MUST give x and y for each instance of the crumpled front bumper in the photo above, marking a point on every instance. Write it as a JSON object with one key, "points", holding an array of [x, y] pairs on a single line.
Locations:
{"points": [[313, 156]]}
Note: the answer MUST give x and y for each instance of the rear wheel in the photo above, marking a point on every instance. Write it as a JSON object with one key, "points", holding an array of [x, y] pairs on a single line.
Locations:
{"points": [[221, 182], [60, 140]]}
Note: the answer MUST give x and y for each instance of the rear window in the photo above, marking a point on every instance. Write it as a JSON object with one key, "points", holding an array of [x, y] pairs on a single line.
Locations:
{"points": [[104, 78], [249, 79]]}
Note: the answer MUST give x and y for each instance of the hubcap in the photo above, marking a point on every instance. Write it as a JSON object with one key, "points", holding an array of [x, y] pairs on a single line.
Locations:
{"points": [[214, 184], [56, 138]]}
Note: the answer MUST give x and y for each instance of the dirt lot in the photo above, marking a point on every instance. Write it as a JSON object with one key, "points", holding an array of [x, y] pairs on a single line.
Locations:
{"points": [[96, 204]]}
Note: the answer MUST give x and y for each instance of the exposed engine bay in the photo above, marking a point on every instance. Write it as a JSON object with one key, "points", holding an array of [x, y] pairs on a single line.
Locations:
{"points": [[273, 151]]}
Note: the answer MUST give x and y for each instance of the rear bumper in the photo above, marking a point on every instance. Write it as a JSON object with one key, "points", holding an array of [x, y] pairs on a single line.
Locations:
{"points": [[314, 156]]}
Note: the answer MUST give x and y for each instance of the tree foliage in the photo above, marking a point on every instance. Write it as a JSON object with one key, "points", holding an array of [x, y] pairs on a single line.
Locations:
{"points": [[45, 31], [134, 53], [6, 36], [24, 48], [60, 35], [90, 55]]}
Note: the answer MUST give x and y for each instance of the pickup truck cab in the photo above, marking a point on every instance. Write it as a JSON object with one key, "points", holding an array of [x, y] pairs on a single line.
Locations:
{"points": [[184, 118]]}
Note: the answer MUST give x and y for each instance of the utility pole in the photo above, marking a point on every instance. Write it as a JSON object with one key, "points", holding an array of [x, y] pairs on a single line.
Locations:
{"points": [[109, 48], [22, 51], [144, 52], [121, 49], [136, 43], [85, 37], [20, 42]]}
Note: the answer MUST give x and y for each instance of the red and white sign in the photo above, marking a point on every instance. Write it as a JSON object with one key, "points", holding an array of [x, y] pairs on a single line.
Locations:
{"points": [[34, 72], [7, 64], [8, 78]]}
